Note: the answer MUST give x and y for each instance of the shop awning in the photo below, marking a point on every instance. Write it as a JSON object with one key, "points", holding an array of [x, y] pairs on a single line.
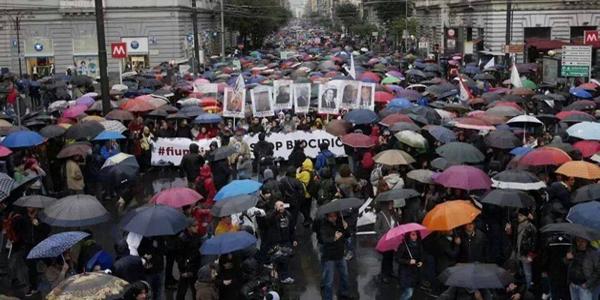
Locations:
{"points": [[545, 44]]}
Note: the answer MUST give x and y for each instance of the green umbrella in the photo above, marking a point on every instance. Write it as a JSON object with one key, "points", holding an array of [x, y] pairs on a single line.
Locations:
{"points": [[529, 84], [390, 80]]}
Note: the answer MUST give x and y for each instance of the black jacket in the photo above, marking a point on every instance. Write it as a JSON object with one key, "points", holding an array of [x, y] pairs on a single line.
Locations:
{"points": [[473, 248], [154, 253], [297, 157], [279, 229], [188, 256], [332, 249], [448, 253], [190, 165], [292, 190], [263, 149], [221, 173]]}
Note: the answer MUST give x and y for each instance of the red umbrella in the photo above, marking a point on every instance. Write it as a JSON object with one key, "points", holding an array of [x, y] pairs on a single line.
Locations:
{"points": [[369, 77], [338, 127], [544, 157], [138, 105], [590, 86], [209, 101], [587, 148], [472, 123], [506, 103], [120, 115], [383, 97], [75, 111], [395, 118], [358, 140], [564, 114], [176, 197], [492, 120]]}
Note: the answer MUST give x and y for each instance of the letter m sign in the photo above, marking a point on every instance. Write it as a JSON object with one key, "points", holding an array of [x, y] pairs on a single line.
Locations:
{"points": [[591, 37], [119, 50]]}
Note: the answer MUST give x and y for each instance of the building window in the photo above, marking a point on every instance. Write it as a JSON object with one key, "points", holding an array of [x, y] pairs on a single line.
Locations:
{"points": [[538, 33], [577, 32]]}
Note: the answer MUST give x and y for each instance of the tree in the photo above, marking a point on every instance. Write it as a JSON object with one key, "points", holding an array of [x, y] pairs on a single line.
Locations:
{"points": [[255, 20], [388, 11], [364, 30], [347, 13]]}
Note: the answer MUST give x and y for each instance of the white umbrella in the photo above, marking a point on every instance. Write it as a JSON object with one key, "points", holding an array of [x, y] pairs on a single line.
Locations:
{"points": [[189, 101], [525, 119], [113, 125]]}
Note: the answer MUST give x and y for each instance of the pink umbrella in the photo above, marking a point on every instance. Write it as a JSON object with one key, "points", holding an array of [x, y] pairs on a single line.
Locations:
{"points": [[74, 111], [176, 197], [464, 177], [4, 151], [395, 236]]}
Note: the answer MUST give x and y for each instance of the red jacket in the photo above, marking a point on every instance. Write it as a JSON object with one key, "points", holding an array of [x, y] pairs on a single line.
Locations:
{"points": [[203, 218], [11, 98], [206, 186]]}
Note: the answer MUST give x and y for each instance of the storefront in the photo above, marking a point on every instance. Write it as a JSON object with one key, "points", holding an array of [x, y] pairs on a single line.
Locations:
{"points": [[85, 56], [39, 56], [137, 53]]}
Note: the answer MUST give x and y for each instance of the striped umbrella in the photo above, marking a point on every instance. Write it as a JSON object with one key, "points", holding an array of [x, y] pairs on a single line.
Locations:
{"points": [[6, 184], [114, 125]]}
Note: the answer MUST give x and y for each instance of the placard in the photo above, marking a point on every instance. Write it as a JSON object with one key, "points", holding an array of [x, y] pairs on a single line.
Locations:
{"points": [[366, 96], [301, 94], [262, 101], [234, 103], [282, 94]]}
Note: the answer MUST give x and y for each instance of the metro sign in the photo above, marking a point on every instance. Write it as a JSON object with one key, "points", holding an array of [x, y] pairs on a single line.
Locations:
{"points": [[591, 37], [118, 50]]}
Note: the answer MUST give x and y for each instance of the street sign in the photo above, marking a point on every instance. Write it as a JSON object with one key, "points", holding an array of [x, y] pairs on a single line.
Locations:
{"points": [[591, 37], [514, 48], [118, 50], [576, 61], [575, 71]]}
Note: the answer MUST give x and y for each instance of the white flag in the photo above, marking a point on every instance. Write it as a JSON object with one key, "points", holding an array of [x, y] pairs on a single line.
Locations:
{"points": [[490, 63], [352, 70], [465, 94], [515, 78], [240, 84]]}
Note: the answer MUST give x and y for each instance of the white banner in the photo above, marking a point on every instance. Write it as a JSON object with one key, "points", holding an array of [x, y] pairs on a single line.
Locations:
{"points": [[172, 150]]}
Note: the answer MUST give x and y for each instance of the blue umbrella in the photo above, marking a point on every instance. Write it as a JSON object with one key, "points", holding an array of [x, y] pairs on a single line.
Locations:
{"points": [[207, 118], [56, 244], [361, 116], [399, 102], [109, 135], [585, 214], [23, 139], [520, 150], [155, 220], [585, 131], [442, 134], [472, 70], [238, 187], [580, 93], [102, 259], [227, 243]]}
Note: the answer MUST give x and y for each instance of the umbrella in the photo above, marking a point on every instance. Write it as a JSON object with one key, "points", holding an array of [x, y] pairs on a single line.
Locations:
{"points": [[138, 105], [207, 118], [484, 77], [120, 115], [472, 123], [544, 157], [383, 97], [4, 152], [463, 177], [6, 185], [89, 286], [109, 135], [440, 133], [409, 94], [227, 243], [421, 175], [37, 201], [390, 80], [113, 125], [393, 157], [585, 131], [75, 211], [120, 168], [518, 180], [97, 106], [581, 105], [504, 111], [585, 214], [338, 205], [590, 192], [396, 194], [415, 73], [579, 169], [580, 93], [83, 100], [56, 244], [191, 111], [509, 198], [411, 139], [74, 111], [238, 187], [587, 148], [22, 139], [459, 152], [395, 118], [52, 131], [338, 127], [473, 276], [84, 131], [154, 220], [234, 205], [574, 116], [223, 153], [357, 140], [573, 229], [361, 116], [176, 197], [392, 239], [402, 126], [525, 120], [450, 214], [502, 139], [399, 103], [79, 148]]}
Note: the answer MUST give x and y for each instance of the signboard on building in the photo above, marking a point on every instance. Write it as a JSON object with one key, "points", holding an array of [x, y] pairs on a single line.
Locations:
{"points": [[576, 61], [118, 50], [550, 70], [514, 48], [136, 45], [592, 38]]}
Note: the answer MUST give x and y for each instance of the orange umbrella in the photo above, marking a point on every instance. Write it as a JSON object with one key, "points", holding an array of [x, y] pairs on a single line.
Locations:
{"points": [[451, 214], [579, 169], [137, 105]]}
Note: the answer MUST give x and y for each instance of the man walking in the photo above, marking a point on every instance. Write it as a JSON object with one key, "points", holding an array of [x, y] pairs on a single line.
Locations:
{"points": [[333, 233]]}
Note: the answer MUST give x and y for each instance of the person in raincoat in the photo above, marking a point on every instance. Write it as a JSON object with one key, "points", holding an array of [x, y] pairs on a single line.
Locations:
{"points": [[306, 176], [410, 257]]}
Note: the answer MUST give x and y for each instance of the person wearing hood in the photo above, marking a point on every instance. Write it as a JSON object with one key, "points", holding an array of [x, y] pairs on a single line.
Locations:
{"points": [[146, 140], [410, 257], [188, 259], [191, 163], [306, 176], [292, 191], [386, 220], [393, 179], [221, 172], [270, 183], [325, 158], [346, 182], [205, 185], [327, 189], [91, 171], [297, 157], [183, 130], [526, 240]]}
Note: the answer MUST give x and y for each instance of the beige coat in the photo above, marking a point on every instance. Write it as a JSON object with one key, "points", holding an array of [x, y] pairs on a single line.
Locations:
{"points": [[74, 176]]}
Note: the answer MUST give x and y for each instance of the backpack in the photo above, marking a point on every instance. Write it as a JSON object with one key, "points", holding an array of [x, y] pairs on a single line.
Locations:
{"points": [[330, 162], [313, 185], [326, 192]]}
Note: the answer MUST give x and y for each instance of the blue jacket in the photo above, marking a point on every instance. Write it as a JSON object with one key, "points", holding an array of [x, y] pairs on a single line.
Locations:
{"points": [[322, 159], [108, 153]]}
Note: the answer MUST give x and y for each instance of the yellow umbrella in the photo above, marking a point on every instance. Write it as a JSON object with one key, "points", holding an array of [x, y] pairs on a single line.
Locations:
{"points": [[579, 169]]}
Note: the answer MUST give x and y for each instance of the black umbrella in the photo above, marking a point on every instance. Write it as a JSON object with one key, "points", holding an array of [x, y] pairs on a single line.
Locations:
{"points": [[502, 139], [396, 194], [339, 205], [574, 230], [581, 105], [517, 180], [80, 80], [590, 192], [84, 131], [75, 211], [509, 198], [458, 152], [52, 131], [154, 220], [233, 205], [120, 169], [427, 113], [223, 153], [576, 118], [440, 163], [475, 276], [158, 113]]}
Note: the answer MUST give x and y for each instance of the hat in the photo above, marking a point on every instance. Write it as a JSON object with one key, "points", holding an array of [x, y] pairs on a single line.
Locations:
{"points": [[523, 211], [268, 174]]}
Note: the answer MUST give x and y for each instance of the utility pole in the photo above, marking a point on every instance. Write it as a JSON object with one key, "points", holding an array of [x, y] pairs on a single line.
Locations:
{"points": [[406, 25], [508, 27], [196, 41], [18, 29], [222, 32], [102, 60]]}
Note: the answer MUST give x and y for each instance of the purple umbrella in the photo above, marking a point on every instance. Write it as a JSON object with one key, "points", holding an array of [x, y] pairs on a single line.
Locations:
{"points": [[411, 95], [85, 100], [464, 177], [74, 111]]}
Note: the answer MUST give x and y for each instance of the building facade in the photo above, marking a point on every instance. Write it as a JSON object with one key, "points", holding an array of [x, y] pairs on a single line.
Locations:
{"points": [[55, 35], [539, 25]]}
